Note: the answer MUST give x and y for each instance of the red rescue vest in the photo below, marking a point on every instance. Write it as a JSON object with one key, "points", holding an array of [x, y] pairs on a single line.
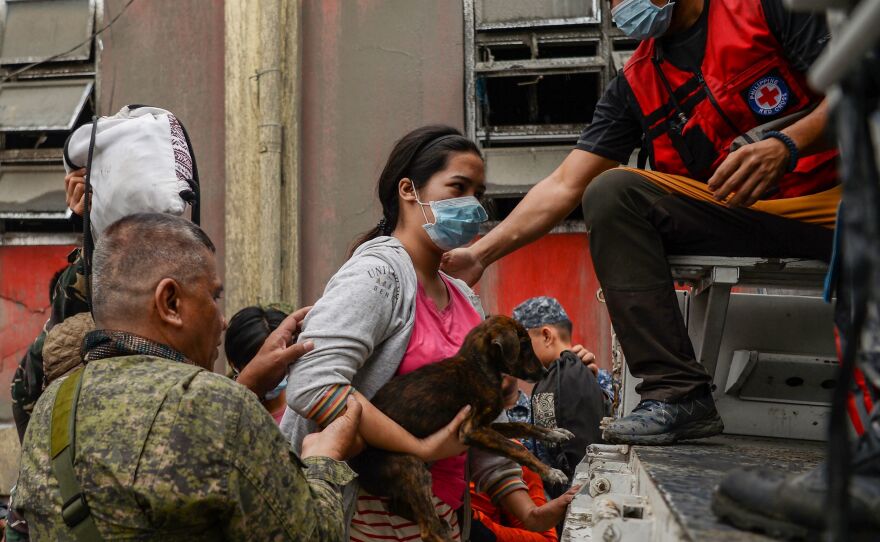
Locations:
{"points": [[690, 119]]}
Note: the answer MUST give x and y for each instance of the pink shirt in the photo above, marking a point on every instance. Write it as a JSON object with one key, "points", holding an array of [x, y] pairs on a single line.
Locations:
{"points": [[438, 334], [278, 414]]}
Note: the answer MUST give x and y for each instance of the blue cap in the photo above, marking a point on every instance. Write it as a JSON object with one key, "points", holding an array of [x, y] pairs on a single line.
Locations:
{"points": [[539, 311]]}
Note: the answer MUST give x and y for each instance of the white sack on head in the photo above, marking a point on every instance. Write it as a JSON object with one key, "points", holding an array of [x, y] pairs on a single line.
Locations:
{"points": [[141, 163]]}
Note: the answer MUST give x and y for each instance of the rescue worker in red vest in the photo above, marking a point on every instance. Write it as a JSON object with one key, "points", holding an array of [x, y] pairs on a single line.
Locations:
{"points": [[705, 73]]}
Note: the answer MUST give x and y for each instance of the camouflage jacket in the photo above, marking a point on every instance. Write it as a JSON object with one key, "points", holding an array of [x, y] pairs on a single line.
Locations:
{"points": [[166, 450], [68, 299]]}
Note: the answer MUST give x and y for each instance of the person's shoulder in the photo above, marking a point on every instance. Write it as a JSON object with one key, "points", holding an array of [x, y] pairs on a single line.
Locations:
{"points": [[571, 365], [219, 387], [381, 249], [382, 260], [165, 373], [642, 54], [43, 406]]}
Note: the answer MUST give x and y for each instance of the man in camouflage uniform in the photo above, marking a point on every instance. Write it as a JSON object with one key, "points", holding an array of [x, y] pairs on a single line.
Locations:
{"points": [[163, 447]]}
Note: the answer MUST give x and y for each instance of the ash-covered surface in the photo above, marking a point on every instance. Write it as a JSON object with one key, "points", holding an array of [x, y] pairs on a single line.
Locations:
{"points": [[687, 474]]}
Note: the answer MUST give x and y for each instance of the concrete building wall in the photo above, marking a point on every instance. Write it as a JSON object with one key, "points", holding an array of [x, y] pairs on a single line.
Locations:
{"points": [[170, 54], [371, 71], [262, 152]]}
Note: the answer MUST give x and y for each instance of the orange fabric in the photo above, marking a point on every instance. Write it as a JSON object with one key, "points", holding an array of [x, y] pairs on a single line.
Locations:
{"points": [[819, 208], [508, 529]]}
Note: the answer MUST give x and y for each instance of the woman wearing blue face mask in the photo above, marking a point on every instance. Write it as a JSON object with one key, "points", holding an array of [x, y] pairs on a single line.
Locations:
{"points": [[388, 311]]}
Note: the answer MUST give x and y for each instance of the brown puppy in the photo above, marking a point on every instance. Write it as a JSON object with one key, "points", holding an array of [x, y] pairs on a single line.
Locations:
{"points": [[426, 399]]}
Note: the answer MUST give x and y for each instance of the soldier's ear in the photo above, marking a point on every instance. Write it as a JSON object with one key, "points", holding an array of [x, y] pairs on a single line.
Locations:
{"points": [[166, 298]]}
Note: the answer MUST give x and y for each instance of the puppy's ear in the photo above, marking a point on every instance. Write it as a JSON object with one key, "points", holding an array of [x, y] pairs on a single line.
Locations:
{"points": [[505, 348]]}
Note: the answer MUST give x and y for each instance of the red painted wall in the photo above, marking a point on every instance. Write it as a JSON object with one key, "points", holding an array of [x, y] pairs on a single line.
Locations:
{"points": [[25, 272], [557, 265]]}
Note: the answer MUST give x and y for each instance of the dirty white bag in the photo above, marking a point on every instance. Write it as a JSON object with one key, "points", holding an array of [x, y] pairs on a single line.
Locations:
{"points": [[141, 162]]}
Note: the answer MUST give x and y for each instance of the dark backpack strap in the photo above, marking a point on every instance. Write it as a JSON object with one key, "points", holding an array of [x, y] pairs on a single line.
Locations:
{"points": [[195, 183], [74, 509], [642, 158], [88, 241]]}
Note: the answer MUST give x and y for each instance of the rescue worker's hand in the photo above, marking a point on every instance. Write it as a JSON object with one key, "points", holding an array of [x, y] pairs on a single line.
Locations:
{"points": [[462, 263], [272, 361], [75, 188], [587, 357], [749, 172], [340, 440]]}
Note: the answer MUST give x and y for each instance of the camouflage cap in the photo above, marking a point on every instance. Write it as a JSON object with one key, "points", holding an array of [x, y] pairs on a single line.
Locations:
{"points": [[539, 311]]}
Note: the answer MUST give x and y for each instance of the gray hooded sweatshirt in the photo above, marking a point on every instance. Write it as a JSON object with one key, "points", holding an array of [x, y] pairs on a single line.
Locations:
{"points": [[361, 328]]}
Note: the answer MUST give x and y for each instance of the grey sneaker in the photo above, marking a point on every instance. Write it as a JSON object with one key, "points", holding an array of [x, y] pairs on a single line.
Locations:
{"points": [[658, 422]]}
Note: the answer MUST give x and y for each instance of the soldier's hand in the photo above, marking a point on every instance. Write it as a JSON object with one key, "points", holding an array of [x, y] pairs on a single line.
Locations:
{"points": [[587, 357], [75, 189], [340, 440], [272, 361], [464, 264]]}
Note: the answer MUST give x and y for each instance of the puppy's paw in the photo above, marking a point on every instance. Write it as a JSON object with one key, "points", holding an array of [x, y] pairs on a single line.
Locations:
{"points": [[556, 476], [559, 435]]}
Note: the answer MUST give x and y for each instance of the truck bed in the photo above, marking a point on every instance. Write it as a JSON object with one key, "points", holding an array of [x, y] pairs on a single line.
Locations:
{"points": [[663, 493]]}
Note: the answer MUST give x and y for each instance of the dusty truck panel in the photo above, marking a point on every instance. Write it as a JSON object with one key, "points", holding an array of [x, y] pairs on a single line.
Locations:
{"points": [[371, 71], [663, 493]]}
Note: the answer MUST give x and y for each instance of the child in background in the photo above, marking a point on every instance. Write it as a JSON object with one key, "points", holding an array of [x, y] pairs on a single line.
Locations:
{"points": [[493, 524], [569, 396], [246, 333]]}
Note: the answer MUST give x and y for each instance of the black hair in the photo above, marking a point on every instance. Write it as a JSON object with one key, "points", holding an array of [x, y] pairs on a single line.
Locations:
{"points": [[418, 155], [247, 331], [142, 249], [564, 327]]}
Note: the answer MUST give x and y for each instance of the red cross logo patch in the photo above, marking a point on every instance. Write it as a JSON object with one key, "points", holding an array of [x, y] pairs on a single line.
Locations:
{"points": [[768, 96]]}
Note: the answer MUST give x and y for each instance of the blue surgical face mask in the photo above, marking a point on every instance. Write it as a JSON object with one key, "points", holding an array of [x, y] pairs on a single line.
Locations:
{"points": [[641, 19], [456, 221], [277, 391]]}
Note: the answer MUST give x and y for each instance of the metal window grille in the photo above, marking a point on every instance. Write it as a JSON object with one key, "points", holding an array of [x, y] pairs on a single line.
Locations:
{"points": [[40, 106], [534, 72]]}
